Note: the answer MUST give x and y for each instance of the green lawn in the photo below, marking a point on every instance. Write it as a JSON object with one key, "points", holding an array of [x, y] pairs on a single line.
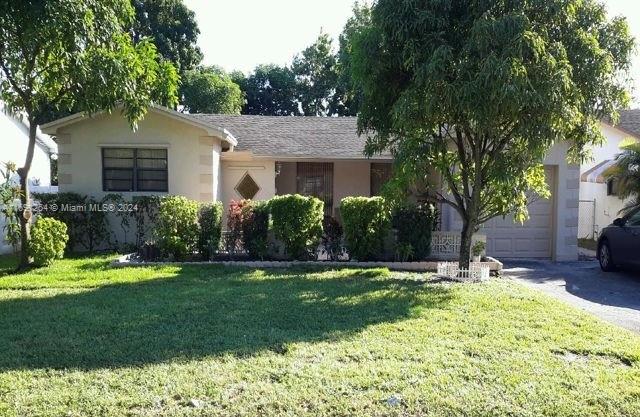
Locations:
{"points": [[81, 339]]}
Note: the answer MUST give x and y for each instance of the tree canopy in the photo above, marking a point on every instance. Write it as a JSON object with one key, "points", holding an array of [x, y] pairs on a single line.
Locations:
{"points": [[270, 90], [173, 29], [315, 70], [210, 90], [63, 54], [346, 98], [480, 91]]}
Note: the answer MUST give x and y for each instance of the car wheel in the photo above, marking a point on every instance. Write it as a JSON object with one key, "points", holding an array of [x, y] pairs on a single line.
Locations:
{"points": [[605, 257]]}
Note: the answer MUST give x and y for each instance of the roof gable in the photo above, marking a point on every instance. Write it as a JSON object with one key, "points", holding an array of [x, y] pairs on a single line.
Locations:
{"points": [[213, 130]]}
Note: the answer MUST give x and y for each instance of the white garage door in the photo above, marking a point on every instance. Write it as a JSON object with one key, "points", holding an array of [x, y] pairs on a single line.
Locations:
{"points": [[533, 239]]}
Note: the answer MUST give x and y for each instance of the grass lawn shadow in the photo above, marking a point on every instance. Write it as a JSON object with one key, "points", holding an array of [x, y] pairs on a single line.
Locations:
{"points": [[200, 312]]}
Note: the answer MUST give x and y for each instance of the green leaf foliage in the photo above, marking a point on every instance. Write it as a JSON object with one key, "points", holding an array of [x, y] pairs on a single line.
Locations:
{"points": [[414, 224], [297, 223], [173, 29], [270, 90], [176, 228], [210, 90], [255, 228], [210, 221], [480, 92], [48, 240], [78, 54], [366, 225], [316, 75], [87, 226], [347, 96]]}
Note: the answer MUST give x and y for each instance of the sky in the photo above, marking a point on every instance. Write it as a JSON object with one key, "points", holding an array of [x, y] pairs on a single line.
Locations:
{"points": [[240, 34]]}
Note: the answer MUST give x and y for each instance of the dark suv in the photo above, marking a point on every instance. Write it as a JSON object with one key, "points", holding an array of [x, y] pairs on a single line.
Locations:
{"points": [[619, 243]]}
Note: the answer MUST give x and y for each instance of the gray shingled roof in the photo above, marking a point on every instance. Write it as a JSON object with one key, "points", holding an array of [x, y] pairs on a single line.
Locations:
{"points": [[630, 121], [286, 136]]}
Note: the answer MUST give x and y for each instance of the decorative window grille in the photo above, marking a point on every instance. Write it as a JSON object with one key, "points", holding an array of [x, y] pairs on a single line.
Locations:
{"points": [[247, 187], [380, 174], [316, 179]]}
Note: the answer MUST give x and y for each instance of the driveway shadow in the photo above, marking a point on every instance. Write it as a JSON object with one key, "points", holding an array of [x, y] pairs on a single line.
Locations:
{"points": [[582, 279], [200, 312]]}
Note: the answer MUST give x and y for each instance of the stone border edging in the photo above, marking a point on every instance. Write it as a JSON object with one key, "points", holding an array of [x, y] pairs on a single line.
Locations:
{"points": [[423, 266]]}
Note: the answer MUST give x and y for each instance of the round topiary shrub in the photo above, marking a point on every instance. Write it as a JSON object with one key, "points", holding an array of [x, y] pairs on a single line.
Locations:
{"points": [[297, 223], [177, 230], [48, 239], [366, 224]]}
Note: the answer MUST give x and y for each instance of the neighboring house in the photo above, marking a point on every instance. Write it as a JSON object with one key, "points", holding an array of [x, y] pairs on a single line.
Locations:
{"points": [[14, 139], [224, 158], [599, 203]]}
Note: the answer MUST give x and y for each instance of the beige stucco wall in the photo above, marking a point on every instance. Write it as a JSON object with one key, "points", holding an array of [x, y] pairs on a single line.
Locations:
{"points": [[566, 194], [263, 173], [351, 179], [193, 157]]}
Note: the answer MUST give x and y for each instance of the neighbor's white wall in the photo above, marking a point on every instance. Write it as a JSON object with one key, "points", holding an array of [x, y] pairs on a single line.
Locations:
{"points": [[14, 139], [608, 150], [606, 207], [193, 157]]}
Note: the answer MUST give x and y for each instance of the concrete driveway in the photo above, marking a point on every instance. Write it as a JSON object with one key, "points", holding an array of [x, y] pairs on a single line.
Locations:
{"points": [[614, 297]]}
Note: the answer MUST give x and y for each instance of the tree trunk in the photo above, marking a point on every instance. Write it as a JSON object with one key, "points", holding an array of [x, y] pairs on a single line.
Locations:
{"points": [[25, 198], [25, 225], [468, 227]]}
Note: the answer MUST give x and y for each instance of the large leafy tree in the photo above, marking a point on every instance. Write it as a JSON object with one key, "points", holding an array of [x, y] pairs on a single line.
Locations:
{"points": [[480, 90], [270, 90], [210, 90], [61, 54], [173, 28], [316, 74], [346, 98], [626, 173]]}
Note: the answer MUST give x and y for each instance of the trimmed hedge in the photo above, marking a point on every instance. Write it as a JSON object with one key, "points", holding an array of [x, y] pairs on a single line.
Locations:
{"points": [[210, 221], [366, 225], [88, 229], [48, 240], [255, 229], [177, 228], [297, 223], [414, 224]]}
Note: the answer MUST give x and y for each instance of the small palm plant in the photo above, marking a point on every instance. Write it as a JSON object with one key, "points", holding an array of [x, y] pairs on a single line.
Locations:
{"points": [[626, 173]]}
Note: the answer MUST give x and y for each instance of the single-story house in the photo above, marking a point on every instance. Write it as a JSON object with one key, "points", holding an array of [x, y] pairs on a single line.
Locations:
{"points": [[224, 157], [599, 202], [14, 136]]}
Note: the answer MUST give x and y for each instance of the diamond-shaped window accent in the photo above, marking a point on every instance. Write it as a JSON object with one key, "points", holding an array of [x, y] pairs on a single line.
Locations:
{"points": [[247, 187]]}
